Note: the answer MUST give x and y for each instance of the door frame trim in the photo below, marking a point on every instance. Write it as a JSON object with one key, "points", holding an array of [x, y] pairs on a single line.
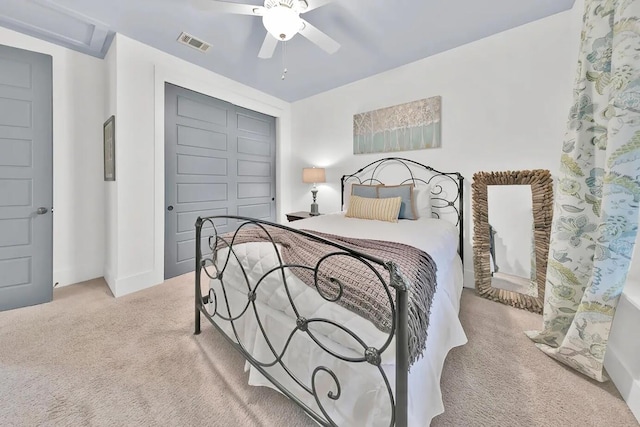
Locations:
{"points": [[274, 107]]}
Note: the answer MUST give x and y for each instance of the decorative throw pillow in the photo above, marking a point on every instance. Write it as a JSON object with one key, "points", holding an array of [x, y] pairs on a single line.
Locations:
{"points": [[405, 191], [422, 198], [378, 209], [362, 190]]}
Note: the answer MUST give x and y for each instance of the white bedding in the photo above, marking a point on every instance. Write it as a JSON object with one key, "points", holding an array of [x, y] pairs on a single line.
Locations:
{"points": [[364, 399]]}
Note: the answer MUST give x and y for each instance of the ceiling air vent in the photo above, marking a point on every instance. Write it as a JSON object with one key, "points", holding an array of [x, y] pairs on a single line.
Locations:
{"points": [[193, 42]]}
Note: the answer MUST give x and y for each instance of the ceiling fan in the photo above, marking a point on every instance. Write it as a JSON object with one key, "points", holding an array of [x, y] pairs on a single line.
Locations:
{"points": [[281, 19]]}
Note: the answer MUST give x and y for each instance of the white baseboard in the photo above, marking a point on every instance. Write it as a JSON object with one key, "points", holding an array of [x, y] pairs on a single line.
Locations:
{"points": [[111, 281], [137, 282], [621, 359], [623, 379], [634, 399], [71, 276], [119, 286]]}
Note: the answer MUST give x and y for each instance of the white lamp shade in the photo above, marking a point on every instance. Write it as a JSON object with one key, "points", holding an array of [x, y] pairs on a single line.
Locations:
{"points": [[282, 22], [313, 175]]}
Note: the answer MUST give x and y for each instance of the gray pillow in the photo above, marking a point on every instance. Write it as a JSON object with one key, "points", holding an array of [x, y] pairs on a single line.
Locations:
{"points": [[362, 190], [407, 209]]}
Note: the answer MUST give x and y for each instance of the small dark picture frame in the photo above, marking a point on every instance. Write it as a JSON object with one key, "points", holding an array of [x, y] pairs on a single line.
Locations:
{"points": [[109, 139]]}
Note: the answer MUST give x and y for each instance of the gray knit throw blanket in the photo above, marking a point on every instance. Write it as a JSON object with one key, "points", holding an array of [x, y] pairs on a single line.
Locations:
{"points": [[363, 292]]}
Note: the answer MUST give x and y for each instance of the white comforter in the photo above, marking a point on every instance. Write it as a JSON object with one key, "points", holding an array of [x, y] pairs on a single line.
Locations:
{"points": [[364, 399]]}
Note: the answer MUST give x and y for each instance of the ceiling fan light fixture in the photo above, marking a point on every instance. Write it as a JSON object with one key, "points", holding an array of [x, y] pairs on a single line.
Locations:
{"points": [[282, 22]]}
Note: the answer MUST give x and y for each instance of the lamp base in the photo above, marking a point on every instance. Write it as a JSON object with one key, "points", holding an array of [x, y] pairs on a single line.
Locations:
{"points": [[314, 210]]}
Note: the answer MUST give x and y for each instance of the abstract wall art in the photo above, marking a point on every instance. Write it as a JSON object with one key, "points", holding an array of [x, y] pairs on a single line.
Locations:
{"points": [[411, 126]]}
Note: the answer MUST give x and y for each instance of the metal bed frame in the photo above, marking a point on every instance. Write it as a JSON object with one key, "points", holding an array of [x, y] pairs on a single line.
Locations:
{"points": [[396, 289]]}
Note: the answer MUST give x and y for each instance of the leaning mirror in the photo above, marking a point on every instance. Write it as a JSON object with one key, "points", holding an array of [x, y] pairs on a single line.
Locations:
{"points": [[512, 214]]}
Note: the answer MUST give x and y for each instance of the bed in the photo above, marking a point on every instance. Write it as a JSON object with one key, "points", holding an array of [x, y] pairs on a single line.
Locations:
{"points": [[289, 320]]}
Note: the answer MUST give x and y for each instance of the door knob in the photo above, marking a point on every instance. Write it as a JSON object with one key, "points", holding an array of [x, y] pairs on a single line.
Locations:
{"points": [[41, 211], [170, 208]]}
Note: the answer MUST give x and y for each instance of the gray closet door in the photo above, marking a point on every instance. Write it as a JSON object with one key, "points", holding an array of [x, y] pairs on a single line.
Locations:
{"points": [[219, 160], [26, 168]]}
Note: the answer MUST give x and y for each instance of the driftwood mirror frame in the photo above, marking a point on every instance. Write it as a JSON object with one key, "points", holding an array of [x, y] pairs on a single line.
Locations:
{"points": [[542, 193]]}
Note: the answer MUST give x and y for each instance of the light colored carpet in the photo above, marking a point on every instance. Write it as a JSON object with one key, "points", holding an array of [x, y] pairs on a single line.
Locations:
{"points": [[90, 359]]}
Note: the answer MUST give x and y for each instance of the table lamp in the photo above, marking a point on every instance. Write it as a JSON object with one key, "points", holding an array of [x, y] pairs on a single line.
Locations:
{"points": [[313, 176]]}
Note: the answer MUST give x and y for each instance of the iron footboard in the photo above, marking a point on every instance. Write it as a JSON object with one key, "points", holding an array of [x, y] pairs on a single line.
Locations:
{"points": [[215, 263]]}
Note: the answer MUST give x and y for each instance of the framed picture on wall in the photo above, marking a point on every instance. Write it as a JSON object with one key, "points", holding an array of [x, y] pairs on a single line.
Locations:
{"points": [[109, 139], [410, 126]]}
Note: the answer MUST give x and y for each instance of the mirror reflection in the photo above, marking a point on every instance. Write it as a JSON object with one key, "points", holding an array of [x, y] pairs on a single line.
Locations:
{"points": [[507, 207], [511, 238]]}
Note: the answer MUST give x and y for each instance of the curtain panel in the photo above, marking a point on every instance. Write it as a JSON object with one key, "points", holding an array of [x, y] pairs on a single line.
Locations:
{"points": [[596, 210]]}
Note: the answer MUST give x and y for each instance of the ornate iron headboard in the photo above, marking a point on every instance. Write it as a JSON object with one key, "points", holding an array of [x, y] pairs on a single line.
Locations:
{"points": [[447, 188]]}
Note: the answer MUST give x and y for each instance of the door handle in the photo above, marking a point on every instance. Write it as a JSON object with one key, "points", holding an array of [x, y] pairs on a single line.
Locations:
{"points": [[42, 211], [170, 208]]}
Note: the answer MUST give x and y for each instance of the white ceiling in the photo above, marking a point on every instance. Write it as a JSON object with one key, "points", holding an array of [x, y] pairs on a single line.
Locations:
{"points": [[376, 35]]}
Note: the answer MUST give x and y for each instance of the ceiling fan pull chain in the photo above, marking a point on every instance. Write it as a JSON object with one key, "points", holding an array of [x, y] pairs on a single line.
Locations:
{"points": [[284, 59]]}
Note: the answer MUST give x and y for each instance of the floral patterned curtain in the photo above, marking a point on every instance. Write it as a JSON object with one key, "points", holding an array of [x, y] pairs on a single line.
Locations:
{"points": [[596, 210]]}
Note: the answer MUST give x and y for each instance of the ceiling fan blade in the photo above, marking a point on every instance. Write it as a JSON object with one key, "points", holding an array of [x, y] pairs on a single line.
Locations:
{"points": [[316, 36], [268, 47], [314, 4], [227, 7]]}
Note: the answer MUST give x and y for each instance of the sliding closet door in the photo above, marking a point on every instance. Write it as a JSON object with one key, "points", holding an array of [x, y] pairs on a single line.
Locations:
{"points": [[219, 160]]}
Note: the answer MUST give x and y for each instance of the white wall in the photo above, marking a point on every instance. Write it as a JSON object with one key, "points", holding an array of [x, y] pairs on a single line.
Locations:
{"points": [[110, 187], [78, 231], [137, 201], [504, 106]]}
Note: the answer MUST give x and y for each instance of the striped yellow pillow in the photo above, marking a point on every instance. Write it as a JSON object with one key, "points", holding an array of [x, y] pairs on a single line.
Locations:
{"points": [[379, 209]]}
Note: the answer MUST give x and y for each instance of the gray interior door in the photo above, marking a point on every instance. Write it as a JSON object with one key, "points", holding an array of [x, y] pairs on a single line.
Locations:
{"points": [[219, 160], [26, 191]]}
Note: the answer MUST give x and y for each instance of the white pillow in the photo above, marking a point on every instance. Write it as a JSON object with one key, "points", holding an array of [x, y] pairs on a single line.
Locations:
{"points": [[422, 197]]}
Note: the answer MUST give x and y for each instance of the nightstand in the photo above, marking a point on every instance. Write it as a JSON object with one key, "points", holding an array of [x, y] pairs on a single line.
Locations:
{"points": [[294, 216]]}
